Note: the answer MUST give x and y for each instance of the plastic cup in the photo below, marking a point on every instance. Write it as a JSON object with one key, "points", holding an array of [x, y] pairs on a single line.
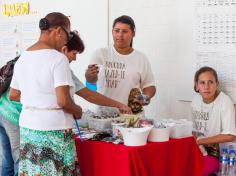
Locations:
{"points": [[115, 129]]}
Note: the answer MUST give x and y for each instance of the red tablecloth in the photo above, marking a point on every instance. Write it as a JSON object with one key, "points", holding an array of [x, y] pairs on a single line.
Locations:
{"points": [[177, 157]]}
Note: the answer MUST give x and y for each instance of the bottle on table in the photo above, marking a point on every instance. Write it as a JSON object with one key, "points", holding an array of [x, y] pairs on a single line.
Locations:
{"points": [[231, 163], [224, 159]]}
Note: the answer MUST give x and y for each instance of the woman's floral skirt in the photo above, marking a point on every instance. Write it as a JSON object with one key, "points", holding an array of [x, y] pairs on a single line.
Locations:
{"points": [[47, 153]]}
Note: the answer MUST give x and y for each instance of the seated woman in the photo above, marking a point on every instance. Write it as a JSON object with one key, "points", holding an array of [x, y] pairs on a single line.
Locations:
{"points": [[213, 117]]}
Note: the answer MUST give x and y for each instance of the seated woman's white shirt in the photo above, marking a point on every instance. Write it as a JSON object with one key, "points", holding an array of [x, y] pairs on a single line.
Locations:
{"points": [[215, 118]]}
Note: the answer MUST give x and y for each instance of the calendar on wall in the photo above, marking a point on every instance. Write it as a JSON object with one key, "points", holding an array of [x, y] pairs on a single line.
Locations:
{"points": [[209, 35], [210, 3], [216, 29], [215, 40]]}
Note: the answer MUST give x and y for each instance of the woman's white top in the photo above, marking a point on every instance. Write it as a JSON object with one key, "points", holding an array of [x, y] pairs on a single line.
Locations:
{"points": [[37, 74], [215, 118]]}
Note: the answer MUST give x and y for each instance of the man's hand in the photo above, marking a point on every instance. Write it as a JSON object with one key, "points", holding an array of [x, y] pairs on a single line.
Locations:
{"points": [[143, 99], [91, 74], [124, 109]]}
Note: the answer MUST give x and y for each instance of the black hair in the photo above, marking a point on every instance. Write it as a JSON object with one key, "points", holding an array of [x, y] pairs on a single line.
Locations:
{"points": [[54, 19], [75, 43], [126, 20], [202, 70]]}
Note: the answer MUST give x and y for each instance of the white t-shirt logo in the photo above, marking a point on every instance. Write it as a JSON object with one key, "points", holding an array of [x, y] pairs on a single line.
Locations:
{"points": [[114, 73], [200, 122]]}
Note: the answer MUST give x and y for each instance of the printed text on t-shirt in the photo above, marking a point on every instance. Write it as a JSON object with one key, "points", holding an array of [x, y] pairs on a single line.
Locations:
{"points": [[114, 73], [201, 119]]}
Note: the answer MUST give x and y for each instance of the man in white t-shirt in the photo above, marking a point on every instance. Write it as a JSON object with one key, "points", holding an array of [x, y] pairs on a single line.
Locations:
{"points": [[121, 73], [74, 46], [121, 67]]}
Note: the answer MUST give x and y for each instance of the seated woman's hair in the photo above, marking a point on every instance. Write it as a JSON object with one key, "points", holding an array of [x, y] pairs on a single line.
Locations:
{"points": [[75, 43], [202, 70]]}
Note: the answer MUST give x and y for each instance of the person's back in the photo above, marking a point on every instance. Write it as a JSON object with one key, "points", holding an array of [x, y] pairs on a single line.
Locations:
{"points": [[35, 76], [35, 73]]}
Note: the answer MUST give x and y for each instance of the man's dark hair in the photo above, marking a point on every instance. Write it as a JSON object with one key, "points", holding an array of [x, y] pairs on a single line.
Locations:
{"points": [[126, 20]]}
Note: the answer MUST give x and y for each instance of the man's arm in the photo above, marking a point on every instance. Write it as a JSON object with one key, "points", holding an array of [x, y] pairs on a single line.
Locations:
{"points": [[102, 100], [148, 92]]}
